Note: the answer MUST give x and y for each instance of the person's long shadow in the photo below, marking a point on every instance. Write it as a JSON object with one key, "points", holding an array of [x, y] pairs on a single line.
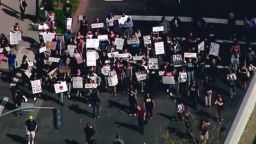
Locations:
{"points": [[71, 141], [11, 13], [76, 108], [129, 126], [16, 138], [118, 105]]}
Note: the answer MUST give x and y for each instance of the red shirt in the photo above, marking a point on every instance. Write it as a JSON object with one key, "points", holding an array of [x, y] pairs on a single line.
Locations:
{"points": [[141, 113]]}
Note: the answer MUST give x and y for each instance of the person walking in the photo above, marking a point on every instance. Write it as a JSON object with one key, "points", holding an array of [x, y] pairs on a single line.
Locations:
{"points": [[12, 63], [231, 77], [132, 98], [204, 131], [208, 87], [95, 102], [141, 114], [118, 140], [23, 5], [89, 134], [193, 93], [31, 127], [219, 102], [149, 104]]}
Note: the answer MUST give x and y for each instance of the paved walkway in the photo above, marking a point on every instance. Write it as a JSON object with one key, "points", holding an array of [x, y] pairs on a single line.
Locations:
{"points": [[10, 14]]}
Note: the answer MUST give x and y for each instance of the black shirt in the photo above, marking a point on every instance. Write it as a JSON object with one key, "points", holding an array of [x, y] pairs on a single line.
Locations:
{"points": [[31, 125]]}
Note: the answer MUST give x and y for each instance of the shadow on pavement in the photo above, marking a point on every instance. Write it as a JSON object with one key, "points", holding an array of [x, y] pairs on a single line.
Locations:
{"points": [[71, 141], [11, 13], [78, 110], [129, 126], [47, 98], [169, 117], [122, 107], [16, 138]]}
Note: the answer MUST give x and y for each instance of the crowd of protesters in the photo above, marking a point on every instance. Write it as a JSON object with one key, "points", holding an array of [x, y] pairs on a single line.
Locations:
{"points": [[119, 68]]}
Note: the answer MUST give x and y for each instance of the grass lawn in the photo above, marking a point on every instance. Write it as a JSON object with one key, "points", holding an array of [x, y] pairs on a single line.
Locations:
{"points": [[248, 136]]}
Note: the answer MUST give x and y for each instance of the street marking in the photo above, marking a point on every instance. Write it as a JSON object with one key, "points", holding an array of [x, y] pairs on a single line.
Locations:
{"points": [[183, 19], [3, 103]]}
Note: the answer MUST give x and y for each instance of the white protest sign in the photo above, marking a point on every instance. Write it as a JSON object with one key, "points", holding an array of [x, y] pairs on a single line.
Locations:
{"points": [[168, 80], [124, 55], [103, 37], [1, 50], [77, 82], [18, 35], [60, 87], [48, 37], [177, 58], [153, 63], [92, 43], [71, 49], [69, 23], [91, 58], [112, 81], [122, 19], [97, 25], [14, 38], [214, 49], [161, 73], [182, 77], [31, 64], [7, 49], [80, 17], [90, 85], [133, 41], [113, 54], [141, 76], [36, 86], [42, 49], [119, 42], [147, 39], [190, 55], [137, 58], [54, 59], [159, 48], [201, 47], [158, 29], [105, 70]]}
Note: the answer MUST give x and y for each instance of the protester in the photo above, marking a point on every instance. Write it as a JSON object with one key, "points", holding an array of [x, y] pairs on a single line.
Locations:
{"points": [[141, 115], [208, 88], [89, 133], [95, 102], [231, 77], [23, 5], [204, 130], [219, 102], [132, 98]]}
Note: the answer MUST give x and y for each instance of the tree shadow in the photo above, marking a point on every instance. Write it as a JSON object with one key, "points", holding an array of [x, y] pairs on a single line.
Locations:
{"points": [[11, 13], [71, 141], [129, 126], [169, 117], [16, 138], [122, 107], [78, 110], [33, 43]]}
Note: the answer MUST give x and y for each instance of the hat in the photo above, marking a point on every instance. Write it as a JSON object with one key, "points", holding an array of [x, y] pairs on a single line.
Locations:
{"points": [[30, 117]]}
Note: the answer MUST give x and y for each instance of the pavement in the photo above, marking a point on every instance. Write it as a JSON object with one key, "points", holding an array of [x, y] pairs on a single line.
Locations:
{"points": [[114, 117]]}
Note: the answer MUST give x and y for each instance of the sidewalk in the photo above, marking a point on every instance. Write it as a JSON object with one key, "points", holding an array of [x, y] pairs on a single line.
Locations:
{"points": [[10, 14]]}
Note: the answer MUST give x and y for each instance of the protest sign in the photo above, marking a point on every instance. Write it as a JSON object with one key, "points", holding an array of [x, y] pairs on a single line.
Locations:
{"points": [[119, 42], [80, 17], [158, 29], [137, 58], [141, 76], [124, 55], [161, 73], [77, 82], [113, 81], [159, 48], [97, 25], [91, 58], [153, 63], [177, 58], [14, 39], [42, 49], [190, 55], [103, 37], [69, 23], [71, 49], [36, 86], [113, 54], [48, 37], [60, 87], [90, 85], [214, 49], [182, 77], [200, 47], [92, 43], [147, 39], [54, 59], [168, 80], [1, 50], [133, 42]]}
